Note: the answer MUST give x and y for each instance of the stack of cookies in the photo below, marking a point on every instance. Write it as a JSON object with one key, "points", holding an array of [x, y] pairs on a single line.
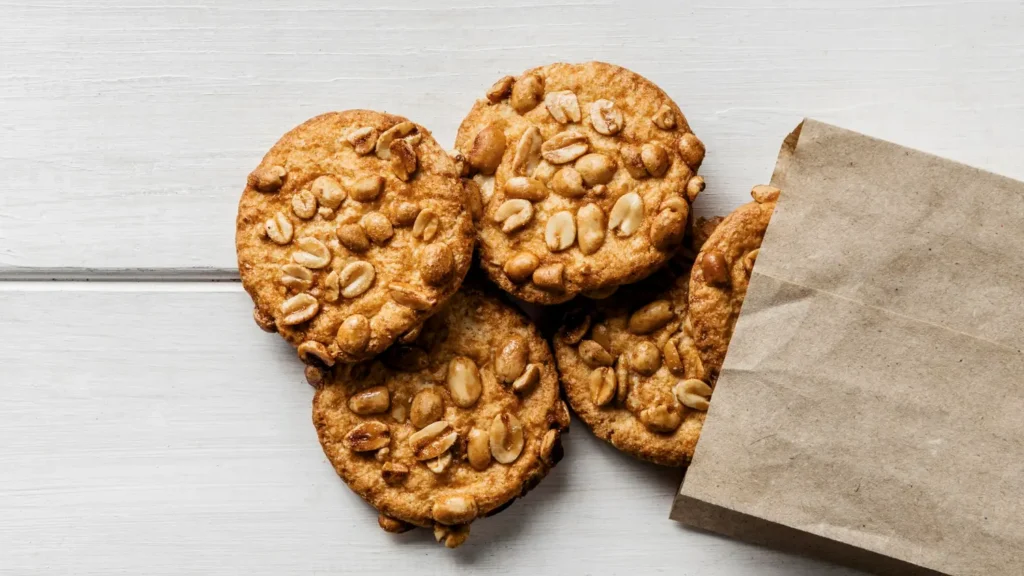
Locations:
{"points": [[439, 402]]}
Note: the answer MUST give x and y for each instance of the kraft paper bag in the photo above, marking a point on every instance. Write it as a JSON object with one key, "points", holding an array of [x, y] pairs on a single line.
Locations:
{"points": [[871, 406]]}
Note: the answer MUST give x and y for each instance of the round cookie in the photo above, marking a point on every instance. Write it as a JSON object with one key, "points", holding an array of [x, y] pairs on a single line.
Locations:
{"points": [[631, 372], [450, 428], [586, 173], [350, 233], [721, 274]]}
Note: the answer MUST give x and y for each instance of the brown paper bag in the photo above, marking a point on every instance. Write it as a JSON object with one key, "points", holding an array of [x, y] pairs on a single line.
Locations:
{"points": [[871, 407]]}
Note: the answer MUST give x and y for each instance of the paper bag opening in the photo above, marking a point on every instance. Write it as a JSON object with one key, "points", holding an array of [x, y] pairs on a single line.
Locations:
{"points": [[869, 409]]}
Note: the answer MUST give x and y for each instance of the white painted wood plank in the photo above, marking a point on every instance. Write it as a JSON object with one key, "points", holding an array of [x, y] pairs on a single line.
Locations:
{"points": [[126, 129], [152, 429]]}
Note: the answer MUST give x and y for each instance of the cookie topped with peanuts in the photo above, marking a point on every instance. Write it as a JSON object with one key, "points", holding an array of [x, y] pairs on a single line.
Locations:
{"points": [[450, 427], [631, 372], [586, 173], [721, 274], [351, 232]]}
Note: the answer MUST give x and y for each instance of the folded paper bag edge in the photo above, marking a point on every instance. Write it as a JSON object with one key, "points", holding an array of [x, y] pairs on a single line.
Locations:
{"points": [[703, 516], [786, 152]]}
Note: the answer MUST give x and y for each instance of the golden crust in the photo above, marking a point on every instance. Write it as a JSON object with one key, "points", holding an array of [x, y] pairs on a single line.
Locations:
{"points": [[715, 304], [621, 258], [622, 423], [292, 188], [474, 326]]}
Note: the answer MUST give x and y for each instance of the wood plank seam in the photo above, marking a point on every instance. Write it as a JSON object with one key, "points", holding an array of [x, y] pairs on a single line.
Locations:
{"points": [[70, 274]]}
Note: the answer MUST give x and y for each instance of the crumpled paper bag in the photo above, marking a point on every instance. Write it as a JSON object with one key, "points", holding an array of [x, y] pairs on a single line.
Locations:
{"points": [[871, 407]]}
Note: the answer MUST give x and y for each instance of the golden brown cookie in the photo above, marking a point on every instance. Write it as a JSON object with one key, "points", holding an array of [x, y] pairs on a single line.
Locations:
{"points": [[631, 372], [351, 232], [450, 428], [586, 173], [721, 274]]}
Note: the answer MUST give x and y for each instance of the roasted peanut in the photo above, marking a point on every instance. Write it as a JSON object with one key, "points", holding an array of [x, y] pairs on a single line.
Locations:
{"points": [[594, 355], [602, 386], [596, 168], [511, 359], [527, 93], [506, 438], [691, 150], [567, 182], [715, 269], [454, 510], [368, 436], [651, 317], [645, 358], [500, 89], [427, 408], [267, 179], [520, 267], [353, 334], [464, 381], [550, 277], [526, 188], [487, 149], [375, 400]]}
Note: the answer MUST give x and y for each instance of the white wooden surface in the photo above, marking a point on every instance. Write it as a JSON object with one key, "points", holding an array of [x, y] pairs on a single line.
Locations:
{"points": [[127, 128], [149, 428], [146, 429]]}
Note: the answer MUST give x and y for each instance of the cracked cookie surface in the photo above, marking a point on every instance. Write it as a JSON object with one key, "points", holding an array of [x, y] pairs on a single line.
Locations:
{"points": [[586, 174], [352, 231], [451, 427]]}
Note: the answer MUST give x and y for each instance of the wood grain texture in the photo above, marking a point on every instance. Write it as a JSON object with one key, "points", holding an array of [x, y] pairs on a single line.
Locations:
{"points": [[150, 429], [127, 129]]}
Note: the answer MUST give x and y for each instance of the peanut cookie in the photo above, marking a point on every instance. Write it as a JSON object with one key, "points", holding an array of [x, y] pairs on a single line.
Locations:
{"points": [[451, 427], [721, 274], [586, 173], [350, 233], [631, 372]]}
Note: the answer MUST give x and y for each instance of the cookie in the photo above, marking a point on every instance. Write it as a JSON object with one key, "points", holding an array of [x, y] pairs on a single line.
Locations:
{"points": [[586, 173], [450, 428], [630, 370], [351, 232], [721, 274]]}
